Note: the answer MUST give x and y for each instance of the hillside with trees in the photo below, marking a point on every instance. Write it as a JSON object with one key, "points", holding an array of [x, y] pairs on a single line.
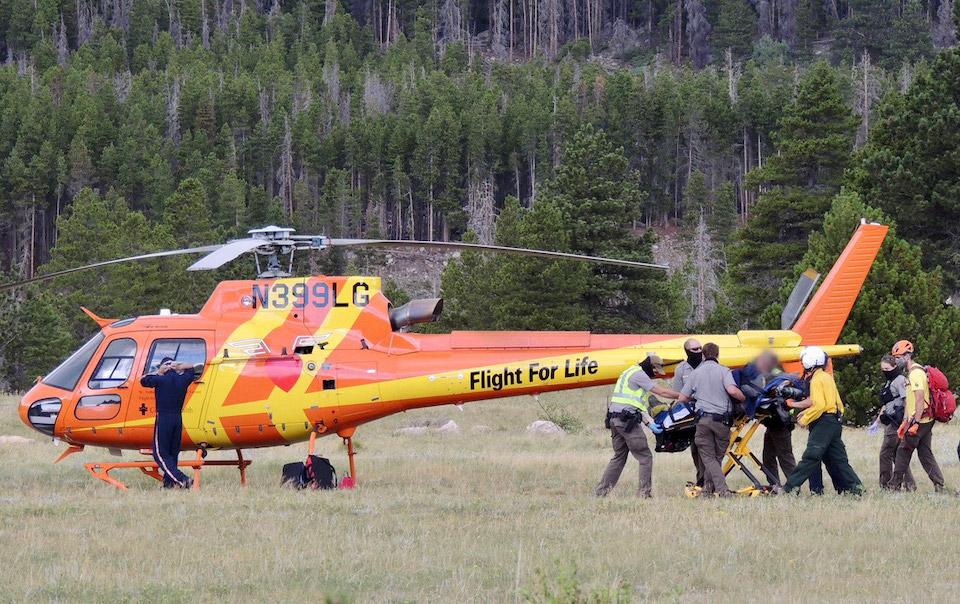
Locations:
{"points": [[740, 128]]}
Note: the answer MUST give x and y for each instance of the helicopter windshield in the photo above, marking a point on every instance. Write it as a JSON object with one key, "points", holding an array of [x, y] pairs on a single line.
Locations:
{"points": [[67, 374]]}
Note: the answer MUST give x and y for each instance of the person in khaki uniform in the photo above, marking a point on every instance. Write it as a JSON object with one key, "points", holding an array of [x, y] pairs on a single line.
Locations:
{"points": [[627, 411], [694, 352], [893, 398], [916, 431], [712, 385]]}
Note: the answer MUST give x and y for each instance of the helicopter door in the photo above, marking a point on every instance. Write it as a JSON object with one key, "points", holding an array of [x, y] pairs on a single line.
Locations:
{"points": [[358, 387], [102, 398], [187, 348]]}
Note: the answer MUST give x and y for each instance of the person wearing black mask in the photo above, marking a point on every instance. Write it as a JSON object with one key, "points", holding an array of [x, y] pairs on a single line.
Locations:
{"points": [[694, 353], [712, 385], [892, 398]]}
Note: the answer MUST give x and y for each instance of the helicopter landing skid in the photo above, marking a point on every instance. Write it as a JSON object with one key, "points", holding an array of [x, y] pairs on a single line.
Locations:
{"points": [[102, 470], [350, 480]]}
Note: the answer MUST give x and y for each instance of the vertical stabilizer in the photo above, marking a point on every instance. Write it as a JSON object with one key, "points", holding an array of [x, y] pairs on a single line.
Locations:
{"points": [[823, 319]]}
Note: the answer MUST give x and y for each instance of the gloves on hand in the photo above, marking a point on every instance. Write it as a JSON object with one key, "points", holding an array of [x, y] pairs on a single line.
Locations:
{"points": [[655, 427], [908, 428]]}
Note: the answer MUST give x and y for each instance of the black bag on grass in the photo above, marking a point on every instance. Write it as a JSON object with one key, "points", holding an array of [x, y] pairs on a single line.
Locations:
{"points": [[294, 475], [320, 473]]}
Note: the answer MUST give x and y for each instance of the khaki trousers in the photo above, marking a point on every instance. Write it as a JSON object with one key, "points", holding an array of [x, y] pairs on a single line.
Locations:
{"points": [[922, 443], [712, 439], [888, 456], [695, 454], [624, 443]]}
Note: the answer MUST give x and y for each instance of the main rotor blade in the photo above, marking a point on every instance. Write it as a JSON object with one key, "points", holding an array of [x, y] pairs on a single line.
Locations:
{"points": [[225, 253], [456, 245], [192, 250]]}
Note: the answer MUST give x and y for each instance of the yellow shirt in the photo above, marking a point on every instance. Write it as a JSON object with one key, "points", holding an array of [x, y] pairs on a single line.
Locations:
{"points": [[824, 398], [918, 381]]}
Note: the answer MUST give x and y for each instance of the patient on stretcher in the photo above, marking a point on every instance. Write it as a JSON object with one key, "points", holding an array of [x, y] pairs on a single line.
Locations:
{"points": [[679, 419]]}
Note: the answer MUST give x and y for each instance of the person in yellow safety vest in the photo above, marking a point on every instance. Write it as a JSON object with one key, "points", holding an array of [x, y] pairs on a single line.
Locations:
{"points": [[628, 409]]}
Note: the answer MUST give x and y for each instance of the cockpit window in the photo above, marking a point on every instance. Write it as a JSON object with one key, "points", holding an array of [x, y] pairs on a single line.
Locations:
{"points": [[115, 364], [68, 373], [188, 350]]}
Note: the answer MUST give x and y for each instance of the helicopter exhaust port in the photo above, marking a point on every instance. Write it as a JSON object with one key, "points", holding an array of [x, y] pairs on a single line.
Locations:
{"points": [[424, 310]]}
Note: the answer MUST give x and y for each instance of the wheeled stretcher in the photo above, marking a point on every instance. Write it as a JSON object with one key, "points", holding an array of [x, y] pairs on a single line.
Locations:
{"points": [[679, 425]]}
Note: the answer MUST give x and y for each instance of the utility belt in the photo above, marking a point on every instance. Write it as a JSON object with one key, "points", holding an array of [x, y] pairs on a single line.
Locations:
{"points": [[629, 417], [724, 418], [833, 415]]}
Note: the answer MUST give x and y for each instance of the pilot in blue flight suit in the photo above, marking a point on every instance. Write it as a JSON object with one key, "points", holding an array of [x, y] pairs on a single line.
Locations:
{"points": [[170, 382]]}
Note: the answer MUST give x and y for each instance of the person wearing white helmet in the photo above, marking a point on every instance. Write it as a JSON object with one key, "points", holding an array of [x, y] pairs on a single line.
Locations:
{"points": [[823, 413]]}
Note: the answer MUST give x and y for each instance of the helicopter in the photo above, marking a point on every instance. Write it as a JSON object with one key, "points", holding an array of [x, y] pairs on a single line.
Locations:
{"points": [[282, 359]]}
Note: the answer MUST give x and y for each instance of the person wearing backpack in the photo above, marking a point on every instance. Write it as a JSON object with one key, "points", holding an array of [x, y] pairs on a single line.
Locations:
{"points": [[892, 399], [916, 430]]}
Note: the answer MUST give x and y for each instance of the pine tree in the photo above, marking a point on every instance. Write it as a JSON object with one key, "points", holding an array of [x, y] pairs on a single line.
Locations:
{"points": [[186, 214], [599, 198], [35, 336], [891, 32], [909, 168], [735, 28], [723, 213], [814, 143], [900, 300], [97, 229], [510, 292]]}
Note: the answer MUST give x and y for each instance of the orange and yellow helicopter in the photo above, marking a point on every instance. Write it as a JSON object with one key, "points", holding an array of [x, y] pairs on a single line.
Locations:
{"points": [[286, 359]]}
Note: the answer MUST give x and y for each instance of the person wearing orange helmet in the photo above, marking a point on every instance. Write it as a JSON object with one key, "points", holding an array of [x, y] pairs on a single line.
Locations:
{"points": [[917, 427]]}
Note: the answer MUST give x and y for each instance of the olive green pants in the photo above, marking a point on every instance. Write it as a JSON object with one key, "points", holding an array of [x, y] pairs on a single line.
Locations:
{"points": [[825, 445]]}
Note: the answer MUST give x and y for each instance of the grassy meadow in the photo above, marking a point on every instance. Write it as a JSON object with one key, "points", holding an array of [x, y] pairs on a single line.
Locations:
{"points": [[490, 514]]}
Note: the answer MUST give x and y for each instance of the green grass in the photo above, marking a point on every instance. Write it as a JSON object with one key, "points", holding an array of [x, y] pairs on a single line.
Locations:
{"points": [[479, 516]]}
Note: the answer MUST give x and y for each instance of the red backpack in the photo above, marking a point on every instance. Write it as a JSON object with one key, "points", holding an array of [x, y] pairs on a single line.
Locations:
{"points": [[943, 403]]}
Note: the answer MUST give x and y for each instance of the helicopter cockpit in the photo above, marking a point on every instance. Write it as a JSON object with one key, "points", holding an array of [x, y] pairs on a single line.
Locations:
{"points": [[42, 414]]}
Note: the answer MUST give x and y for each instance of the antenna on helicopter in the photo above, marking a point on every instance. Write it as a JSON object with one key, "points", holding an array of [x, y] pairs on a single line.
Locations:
{"points": [[277, 247]]}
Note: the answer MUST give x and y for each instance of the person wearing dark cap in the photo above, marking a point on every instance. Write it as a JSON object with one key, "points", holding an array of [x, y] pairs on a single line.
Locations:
{"points": [[628, 409], [711, 385], [169, 382], [694, 353]]}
